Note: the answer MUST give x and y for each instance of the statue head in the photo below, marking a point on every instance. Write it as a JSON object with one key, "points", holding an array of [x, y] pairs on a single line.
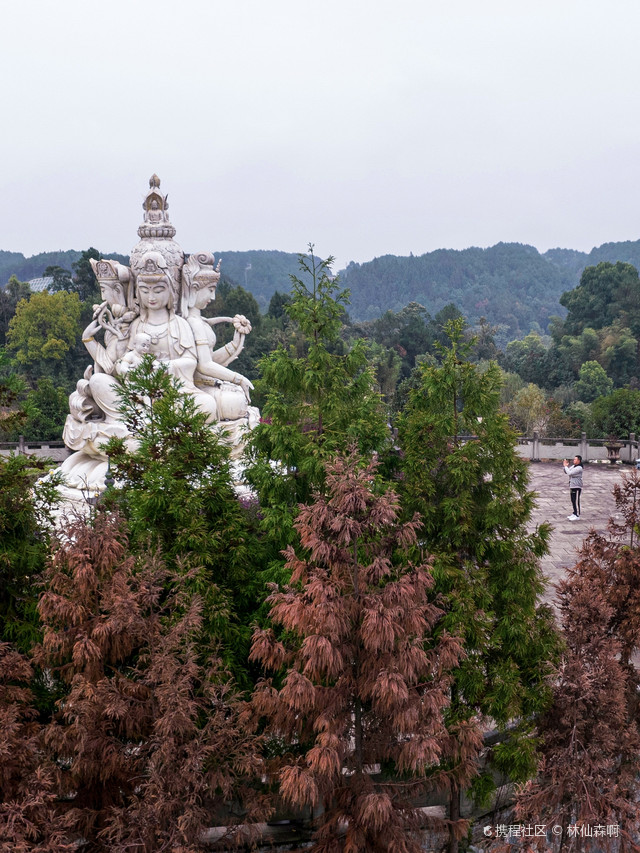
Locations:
{"points": [[154, 284], [198, 275], [142, 343], [114, 280]]}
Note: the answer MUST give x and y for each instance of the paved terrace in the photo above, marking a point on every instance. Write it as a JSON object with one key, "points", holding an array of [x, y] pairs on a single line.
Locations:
{"points": [[553, 504]]}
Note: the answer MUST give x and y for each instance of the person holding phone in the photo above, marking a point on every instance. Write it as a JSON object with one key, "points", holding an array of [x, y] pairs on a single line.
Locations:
{"points": [[574, 470]]}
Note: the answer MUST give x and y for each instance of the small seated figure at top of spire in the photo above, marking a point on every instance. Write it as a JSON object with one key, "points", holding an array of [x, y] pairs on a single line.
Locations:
{"points": [[154, 214]]}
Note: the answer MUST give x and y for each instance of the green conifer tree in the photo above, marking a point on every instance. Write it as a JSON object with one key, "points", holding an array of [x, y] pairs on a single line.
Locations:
{"points": [[462, 474], [25, 524], [175, 487], [319, 398]]}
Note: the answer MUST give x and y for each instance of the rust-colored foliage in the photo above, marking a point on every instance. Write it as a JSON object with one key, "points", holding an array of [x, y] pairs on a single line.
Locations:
{"points": [[612, 564], [591, 735], [148, 741], [200, 756], [28, 821], [365, 684]]}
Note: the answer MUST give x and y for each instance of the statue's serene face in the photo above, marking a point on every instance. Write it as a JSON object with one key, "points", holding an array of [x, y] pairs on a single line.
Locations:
{"points": [[112, 294], [154, 295], [205, 295]]}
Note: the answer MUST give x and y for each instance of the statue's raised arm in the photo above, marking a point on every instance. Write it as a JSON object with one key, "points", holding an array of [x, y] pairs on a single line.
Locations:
{"points": [[199, 281], [229, 352]]}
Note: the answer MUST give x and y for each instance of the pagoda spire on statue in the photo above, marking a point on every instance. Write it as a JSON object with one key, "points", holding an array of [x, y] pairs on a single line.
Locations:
{"points": [[156, 237], [156, 217]]}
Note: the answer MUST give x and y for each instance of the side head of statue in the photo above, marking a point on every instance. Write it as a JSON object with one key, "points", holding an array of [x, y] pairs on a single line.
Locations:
{"points": [[114, 280], [199, 272]]}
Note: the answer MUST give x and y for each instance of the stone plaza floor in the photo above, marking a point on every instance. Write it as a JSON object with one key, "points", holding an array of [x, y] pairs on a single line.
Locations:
{"points": [[553, 504]]}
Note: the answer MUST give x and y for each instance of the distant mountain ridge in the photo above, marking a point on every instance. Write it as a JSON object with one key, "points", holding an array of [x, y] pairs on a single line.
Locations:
{"points": [[15, 263], [260, 271], [511, 284]]}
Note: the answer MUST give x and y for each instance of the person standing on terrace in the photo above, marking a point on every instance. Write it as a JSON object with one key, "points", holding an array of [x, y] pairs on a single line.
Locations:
{"points": [[574, 471]]}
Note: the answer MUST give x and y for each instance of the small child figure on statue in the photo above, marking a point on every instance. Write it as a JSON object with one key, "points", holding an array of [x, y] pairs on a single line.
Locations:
{"points": [[133, 359]]}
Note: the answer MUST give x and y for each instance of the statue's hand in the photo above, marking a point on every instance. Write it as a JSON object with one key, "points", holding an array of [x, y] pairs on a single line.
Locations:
{"points": [[241, 324], [91, 329], [246, 386], [98, 309]]}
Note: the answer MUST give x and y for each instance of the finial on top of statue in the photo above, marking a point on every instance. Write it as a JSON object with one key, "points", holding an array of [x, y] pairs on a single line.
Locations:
{"points": [[156, 222]]}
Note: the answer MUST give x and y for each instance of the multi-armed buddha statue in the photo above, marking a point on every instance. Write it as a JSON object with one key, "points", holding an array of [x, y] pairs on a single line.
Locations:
{"points": [[154, 306]]}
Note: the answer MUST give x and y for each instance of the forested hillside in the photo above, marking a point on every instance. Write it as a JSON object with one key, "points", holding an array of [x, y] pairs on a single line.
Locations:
{"points": [[15, 263], [513, 285], [261, 272]]}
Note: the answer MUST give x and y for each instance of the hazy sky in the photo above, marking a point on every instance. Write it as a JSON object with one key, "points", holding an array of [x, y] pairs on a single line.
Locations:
{"points": [[365, 127]]}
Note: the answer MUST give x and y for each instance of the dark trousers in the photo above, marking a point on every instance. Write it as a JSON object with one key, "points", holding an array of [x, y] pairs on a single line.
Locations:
{"points": [[575, 500]]}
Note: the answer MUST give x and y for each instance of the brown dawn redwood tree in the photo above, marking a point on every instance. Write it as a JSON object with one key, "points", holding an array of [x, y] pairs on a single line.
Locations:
{"points": [[611, 564], [365, 685], [28, 783], [148, 741], [590, 746], [590, 737], [201, 754]]}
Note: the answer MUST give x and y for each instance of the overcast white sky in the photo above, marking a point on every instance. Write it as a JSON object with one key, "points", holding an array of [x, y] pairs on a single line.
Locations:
{"points": [[365, 126]]}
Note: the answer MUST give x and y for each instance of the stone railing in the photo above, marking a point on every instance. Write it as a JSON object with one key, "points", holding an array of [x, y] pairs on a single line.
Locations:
{"points": [[529, 447], [55, 450], [536, 448]]}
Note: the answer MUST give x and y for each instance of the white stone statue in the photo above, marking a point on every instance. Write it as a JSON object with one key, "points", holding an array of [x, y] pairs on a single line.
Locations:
{"points": [[153, 307]]}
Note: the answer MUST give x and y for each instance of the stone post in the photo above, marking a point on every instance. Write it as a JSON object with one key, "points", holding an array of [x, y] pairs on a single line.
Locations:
{"points": [[22, 448], [535, 450], [584, 447]]}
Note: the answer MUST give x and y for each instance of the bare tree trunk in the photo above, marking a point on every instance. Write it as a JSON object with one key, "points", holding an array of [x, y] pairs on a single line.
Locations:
{"points": [[454, 816], [358, 703], [358, 736]]}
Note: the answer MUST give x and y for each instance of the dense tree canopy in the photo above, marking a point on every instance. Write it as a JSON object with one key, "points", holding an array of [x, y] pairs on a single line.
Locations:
{"points": [[602, 326], [593, 382], [44, 329], [25, 515], [176, 592], [190, 569], [606, 292], [617, 414], [10, 295]]}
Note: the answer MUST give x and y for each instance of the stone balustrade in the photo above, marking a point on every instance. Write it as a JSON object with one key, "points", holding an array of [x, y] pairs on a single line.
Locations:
{"points": [[536, 448], [533, 447], [55, 450]]}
